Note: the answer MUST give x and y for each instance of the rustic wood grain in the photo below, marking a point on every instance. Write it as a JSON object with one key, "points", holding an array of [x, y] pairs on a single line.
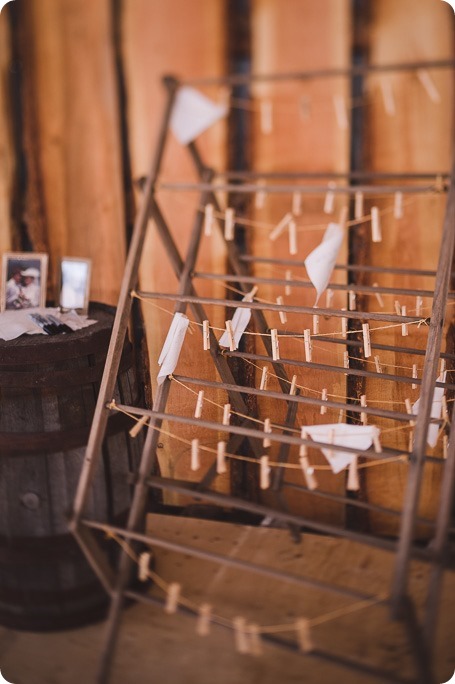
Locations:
{"points": [[7, 154]]}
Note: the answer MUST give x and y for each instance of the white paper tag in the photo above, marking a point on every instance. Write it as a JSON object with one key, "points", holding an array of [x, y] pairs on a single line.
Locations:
{"points": [[436, 411], [193, 113], [320, 262], [240, 320], [172, 346], [359, 437]]}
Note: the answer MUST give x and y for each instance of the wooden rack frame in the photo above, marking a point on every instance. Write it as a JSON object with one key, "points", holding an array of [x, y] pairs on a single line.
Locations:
{"points": [[116, 581]]}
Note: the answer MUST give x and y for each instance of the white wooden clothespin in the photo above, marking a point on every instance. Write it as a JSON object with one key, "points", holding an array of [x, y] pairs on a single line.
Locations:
{"points": [[377, 441], [344, 325], [366, 340], [229, 224], [324, 398], [397, 307], [377, 364], [346, 359], [135, 430], [172, 598], [221, 458], [275, 344], [329, 201], [376, 234], [226, 414], [341, 114], [341, 416], [302, 627], [307, 343], [205, 335], [442, 366], [255, 639], [293, 389], [264, 480], [379, 297], [363, 415], [429, 85], [445, 446], [199, 404], [266, 442], [264, 378], [296, 203], [203, 621], [266, 110], [329, 298], [419, 305], [407, 403], [241, 638], [230, 334], [287, 288], [144, 565], [414, 375], [358, 205], [343, 216], [259, 197], [315, 324], [195, 462], [280, 226], [445, 413], [292, 229], [308, 473], [387, 97], [352, 300], [353, 484], [398, 205], [208, 219], [282, 314], [404, 327]]}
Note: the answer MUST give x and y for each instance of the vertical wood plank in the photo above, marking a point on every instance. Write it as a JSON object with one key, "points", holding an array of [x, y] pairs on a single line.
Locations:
{"points": [[7, 155], [297, 36]]}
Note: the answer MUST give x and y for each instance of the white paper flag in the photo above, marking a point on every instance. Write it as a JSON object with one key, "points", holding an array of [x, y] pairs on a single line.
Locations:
{"points": [[436, 411], [172, 346], [320, 262], [359, 437], [193, 113], [240, 320]]}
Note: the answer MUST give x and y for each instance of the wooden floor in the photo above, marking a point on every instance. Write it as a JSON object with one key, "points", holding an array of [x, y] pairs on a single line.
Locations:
{"points": [[156, 647]]}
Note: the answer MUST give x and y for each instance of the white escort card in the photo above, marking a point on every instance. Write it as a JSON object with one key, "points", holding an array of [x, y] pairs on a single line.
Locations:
{"points": [[436, 411], [239, 322], [321, 261], [172, 346], [193, 113], [359, 437]]}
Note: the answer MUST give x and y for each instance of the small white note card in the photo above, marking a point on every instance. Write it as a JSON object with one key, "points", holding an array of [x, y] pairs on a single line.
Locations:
{"points": [[436, 411], [172, 346], [240, 320], [359, 437], [193, 113], [320, 262]]}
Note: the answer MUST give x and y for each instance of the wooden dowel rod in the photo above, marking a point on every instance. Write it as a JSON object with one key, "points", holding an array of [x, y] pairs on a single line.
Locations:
{"points": [[252, 188]]}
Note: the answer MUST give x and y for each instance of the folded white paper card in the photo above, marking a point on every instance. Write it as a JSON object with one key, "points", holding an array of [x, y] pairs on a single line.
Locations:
{"points": [[359, 437], [436, 411], [193, 113], [320, 262], [18, 322], [240, 320], [172, 346]]}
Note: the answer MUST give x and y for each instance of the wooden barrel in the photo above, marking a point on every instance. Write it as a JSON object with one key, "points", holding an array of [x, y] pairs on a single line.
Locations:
{"points": [[48, 391]]}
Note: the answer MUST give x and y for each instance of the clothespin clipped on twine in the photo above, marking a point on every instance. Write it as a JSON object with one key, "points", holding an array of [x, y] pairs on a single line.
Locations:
{"points": [[266, 442], [377, 364], [344, 325], [264, 479], [353, 484], [377, 441], [346, 359], [376, 234], [328, 298], [195, 462], [296, 203], [292, 230], [172, 598], [199, 404], [259, 197], [352, 300], [398, 205], [240, 635], [315, 324], [221, 458], [205, 335], [329, 201], [135, 430], [366, 340], [363, 415], [229, 224], [307, 344], [230, 334], [419, 305], [144, 565], [203, 621], [275, 345], [226, 414], [407, 403], [404, 326], [358, 205], [208, 219], [302, 627], [414, 375], [255, 639], [324, 398], [282, 314], [287, 288], [264, 378], [293, 388]]}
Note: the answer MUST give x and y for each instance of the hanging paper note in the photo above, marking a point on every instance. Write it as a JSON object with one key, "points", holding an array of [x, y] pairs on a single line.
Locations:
{"points": [[359, 437], [172, 346], [320, 262], [436, 411], [193, 113], [239, 321]]}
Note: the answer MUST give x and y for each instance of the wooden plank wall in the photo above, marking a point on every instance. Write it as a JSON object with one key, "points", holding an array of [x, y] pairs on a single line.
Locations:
{"points": [[7, 158]]}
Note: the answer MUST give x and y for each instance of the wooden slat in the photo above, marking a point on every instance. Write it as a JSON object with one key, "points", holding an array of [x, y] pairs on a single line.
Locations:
{"points": [[7, 165], [294, 36]]}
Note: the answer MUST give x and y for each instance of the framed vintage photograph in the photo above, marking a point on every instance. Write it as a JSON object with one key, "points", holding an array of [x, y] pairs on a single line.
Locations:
{"points": [[24, 280], [74, 284]]}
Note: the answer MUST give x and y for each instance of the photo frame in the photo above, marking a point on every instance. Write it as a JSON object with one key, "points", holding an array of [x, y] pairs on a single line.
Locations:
{"points": [[23, 280], [74, 284]]}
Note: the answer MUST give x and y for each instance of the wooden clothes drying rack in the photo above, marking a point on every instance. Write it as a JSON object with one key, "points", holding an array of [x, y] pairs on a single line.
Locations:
{"points": [[116, 581]]}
